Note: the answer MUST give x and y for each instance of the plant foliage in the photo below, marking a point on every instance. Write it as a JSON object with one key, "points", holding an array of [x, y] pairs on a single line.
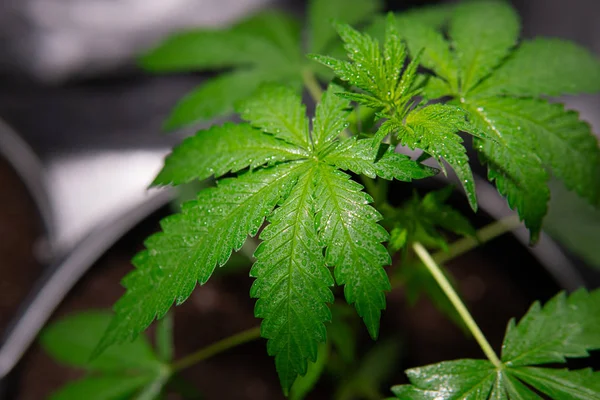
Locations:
{"points": [[129, 370], [317, 218], [267, 47], [565, 327], [503, 84], [288, 180], [376, 71], [420, 219]]}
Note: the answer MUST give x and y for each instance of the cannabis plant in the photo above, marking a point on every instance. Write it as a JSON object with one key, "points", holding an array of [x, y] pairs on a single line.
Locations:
{"points": [[311, 192]]}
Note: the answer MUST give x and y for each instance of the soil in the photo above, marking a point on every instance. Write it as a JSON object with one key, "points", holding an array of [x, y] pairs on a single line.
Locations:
{"points": [[487, 278]]}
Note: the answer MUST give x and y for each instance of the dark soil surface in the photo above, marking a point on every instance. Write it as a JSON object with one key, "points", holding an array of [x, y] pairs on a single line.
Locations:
{"points": [[486, 277]]}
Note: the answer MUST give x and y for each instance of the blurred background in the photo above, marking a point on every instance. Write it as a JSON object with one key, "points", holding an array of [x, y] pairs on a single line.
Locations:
{"points": [[80, 141]]}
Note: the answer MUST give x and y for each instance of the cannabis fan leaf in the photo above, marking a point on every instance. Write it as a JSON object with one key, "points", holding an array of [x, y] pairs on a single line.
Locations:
{"points": [[264, 48], [130, 370], [317, 218], [376, 73], [501, 84], [565, 327], [419, 218]]}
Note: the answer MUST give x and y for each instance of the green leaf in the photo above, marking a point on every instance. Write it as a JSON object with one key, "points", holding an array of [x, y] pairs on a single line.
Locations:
{"points": [[278, 110], [373, 69], [358, 156], [482, 34], [430, 16], [102, 388], [305, 384], [72, 340], [574, 223], [562, 384], [265, 47], [564, 142], [348, 227], [519, 177], [186, 251], [564, 327], [374, 368], [512, 161], [214, 49], [377, 365], [526, 138], [533, 136], [275, 27], [434, 16], [316, 206], [545, 66], [330, 117], [366, 69], [434, 129], [322, 13], [223, 149], [449, 380], [435, 88], [439, 213], [292, 284], [214, 98], [418, 220], [436, 51]]}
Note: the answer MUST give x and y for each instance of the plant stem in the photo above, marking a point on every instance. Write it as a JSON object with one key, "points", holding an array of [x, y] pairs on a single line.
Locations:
{"points": [[216, 348], [312, 85], [437, 274], [315, 91], [485, 234]]}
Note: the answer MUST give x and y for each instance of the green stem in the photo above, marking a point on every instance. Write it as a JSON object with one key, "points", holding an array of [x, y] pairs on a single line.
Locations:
{"points": [[315, 91], [216, 348], [485, 234], [312, 85], [438, 275]]}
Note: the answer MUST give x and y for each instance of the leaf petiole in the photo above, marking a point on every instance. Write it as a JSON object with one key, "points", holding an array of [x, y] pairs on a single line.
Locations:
{"points": [[312, 85], [216, 348], [485, 234], [437, 274]]}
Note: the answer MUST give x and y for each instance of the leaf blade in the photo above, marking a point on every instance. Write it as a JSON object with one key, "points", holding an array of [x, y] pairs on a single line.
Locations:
{"points": [[512, 163], [101, 388], [72, 340], [482, 34], [348, 227], [358, 156], [330, 117], [562, 384], [214, 49], [434, 129], [186, 252], [216, 97], [222, 149], [321, 13], [278, 110], [292, 284], [570, 326], [451, 380], [535, 70]]}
